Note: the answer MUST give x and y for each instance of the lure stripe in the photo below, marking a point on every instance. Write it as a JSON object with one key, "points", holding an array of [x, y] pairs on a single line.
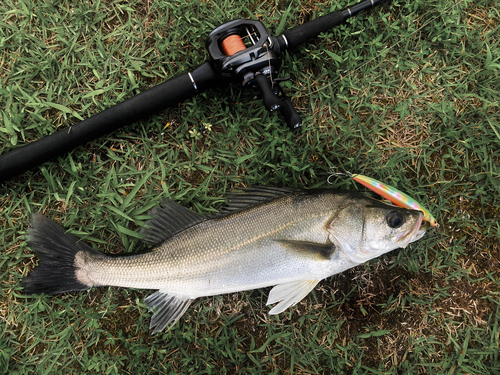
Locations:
{"points": [[395, 196]]}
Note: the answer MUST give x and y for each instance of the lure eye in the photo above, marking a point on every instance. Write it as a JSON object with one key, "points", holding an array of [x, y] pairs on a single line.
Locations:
{"points": [[395, 219]]}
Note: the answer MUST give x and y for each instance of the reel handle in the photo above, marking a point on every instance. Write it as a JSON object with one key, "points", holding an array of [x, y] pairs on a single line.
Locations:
{"points": [[271, 101], [290, 114], [274, 98]]}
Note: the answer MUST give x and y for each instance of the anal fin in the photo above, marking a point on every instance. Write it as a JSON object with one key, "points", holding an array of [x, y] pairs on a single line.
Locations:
{"points": [[169, 308], [289, 294]]}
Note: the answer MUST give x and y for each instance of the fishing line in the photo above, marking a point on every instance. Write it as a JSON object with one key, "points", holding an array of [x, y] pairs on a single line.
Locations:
{"points": [[232, 45], [269, 61]]}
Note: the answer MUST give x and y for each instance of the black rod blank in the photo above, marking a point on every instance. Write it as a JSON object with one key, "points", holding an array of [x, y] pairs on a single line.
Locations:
{"points": [[302, 33], [153, 100]]}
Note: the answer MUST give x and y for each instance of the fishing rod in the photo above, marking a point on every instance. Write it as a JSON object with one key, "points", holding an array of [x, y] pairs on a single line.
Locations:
{"points": [[241, 51]]}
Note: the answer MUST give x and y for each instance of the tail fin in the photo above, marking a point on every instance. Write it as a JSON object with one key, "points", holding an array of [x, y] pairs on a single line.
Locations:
{"points": [[60, 257]]}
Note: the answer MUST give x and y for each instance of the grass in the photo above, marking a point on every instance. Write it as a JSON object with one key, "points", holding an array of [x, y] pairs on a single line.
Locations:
{"points": [[407, 93]]}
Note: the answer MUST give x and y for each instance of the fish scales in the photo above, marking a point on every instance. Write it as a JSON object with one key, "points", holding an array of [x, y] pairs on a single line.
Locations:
{"points": [[206, 259]]}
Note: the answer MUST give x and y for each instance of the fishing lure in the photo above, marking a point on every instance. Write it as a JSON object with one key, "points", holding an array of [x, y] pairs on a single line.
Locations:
{"points": [[395, 196], [388, 192]]}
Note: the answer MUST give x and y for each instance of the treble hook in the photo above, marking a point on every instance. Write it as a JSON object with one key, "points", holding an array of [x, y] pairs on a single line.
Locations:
{"points": [[332, 173]]}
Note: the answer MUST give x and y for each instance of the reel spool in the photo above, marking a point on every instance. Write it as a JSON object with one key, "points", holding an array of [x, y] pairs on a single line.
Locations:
{"points": [[244, 51], [232, 45]]}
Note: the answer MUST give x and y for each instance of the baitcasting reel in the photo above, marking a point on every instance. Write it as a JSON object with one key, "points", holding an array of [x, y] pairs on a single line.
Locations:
{"points": [[241, 50], [245, 52]]}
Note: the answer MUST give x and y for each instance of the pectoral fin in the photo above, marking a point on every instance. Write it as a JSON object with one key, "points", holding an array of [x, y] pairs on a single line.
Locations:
{"points": [[314, 248], [169, 308], [289, 294]]}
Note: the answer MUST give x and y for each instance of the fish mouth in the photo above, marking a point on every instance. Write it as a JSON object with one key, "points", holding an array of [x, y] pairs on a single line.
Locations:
{"points": [[414, 233], [421, 231]]}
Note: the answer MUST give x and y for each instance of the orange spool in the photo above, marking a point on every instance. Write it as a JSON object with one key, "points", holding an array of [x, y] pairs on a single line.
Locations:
{"points": [[232, 44]]}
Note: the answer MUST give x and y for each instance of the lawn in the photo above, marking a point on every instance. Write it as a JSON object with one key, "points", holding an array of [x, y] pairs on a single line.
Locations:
{"points": [[407, 93]]}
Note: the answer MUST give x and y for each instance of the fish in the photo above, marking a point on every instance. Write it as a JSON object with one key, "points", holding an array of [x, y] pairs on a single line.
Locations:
{"points": [[395, 196], [287, 238]]}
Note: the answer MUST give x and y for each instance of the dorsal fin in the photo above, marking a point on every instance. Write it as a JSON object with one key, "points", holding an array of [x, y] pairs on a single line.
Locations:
{"points": [[168, 219], [252, 196]]}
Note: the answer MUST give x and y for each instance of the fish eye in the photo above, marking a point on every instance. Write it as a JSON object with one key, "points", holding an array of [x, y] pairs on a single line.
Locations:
{"points": [[395, 219]]}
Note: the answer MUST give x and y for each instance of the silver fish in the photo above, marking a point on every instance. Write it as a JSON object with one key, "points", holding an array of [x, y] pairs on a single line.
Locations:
{"points": [[287, 238]]}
